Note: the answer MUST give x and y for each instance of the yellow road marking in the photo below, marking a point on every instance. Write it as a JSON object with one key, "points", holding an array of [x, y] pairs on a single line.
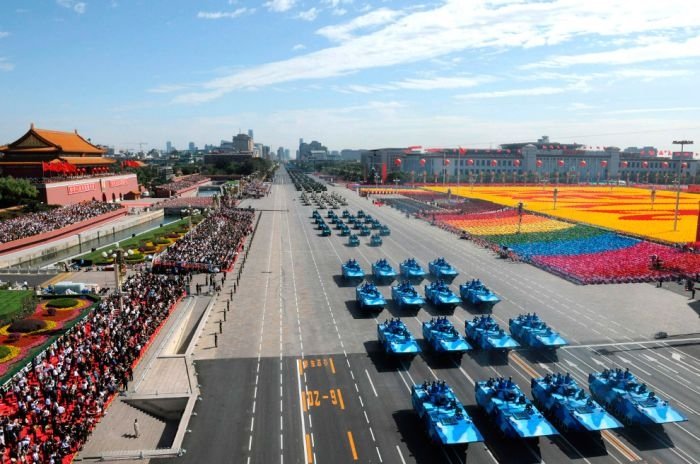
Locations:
{"points": [[620, 446], [352, 446], [309, 453], [332, 365], [530, 371], [56, 278], [340, 399]]}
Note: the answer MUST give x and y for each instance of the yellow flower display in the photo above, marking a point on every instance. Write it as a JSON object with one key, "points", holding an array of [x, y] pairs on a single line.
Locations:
{"points": [[14, 351], [626, 209]]}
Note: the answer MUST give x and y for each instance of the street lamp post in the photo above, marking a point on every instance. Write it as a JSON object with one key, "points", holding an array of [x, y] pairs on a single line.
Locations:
{"points": [[682, 143]]}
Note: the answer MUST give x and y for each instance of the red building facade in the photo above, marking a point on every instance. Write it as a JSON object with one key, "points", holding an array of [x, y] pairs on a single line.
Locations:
{"points": [[65, 168]]}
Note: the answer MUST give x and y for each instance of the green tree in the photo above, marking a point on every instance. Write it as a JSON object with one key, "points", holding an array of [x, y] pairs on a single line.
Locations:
{"points": [[16, 191]]}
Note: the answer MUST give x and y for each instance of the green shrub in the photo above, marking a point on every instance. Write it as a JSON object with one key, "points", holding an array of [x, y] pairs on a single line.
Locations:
{"points": [[4, 351], [162, 241], [26, 325], [62, 303]]}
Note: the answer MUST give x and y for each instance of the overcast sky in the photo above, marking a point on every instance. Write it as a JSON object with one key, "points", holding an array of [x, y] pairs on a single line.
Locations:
{"points": [[352, 73]]}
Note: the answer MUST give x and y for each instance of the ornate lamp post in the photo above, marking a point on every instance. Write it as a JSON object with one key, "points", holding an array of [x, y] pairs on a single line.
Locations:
{"points": [[682, 143]]}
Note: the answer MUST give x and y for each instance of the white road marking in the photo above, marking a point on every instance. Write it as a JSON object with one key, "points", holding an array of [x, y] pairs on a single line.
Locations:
{"points": [[371, 383]]}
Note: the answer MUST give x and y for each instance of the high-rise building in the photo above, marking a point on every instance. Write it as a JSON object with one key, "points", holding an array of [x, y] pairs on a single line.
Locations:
{"points": [[191, 147], [250, 133], [168, 147], [280, 154], [314, 150], [266, 152], [287, 154], [243, 143], [257, 150]]}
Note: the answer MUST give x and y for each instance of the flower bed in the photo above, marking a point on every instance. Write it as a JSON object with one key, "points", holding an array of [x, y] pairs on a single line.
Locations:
{"points": [[17, 340]]}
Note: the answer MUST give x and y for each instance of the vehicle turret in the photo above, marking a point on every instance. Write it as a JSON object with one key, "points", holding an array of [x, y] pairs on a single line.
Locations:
{"points": [[441, 269], [369, 298], [568, 405], [511, 411], [383, 272], [478, 294], [531, 331], [351, 270], [485, 333], [406, 297], [629, 399], [444, 415], [396, 339], [438, 293], [442, 337], [411, 270]]}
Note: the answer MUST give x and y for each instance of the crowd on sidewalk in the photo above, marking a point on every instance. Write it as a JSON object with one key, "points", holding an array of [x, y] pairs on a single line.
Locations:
{"points": [[46, 221], [48, 409], [211, 246]]}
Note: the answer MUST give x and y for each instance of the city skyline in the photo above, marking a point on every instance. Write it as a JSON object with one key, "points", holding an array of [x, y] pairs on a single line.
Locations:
{"points": [[353, 74]]}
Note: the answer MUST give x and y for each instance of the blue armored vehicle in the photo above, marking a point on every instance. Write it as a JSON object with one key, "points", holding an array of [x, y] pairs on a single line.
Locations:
{"points": [[443, 338], [369, 298], [360, 214], [339, 224], [569, 406], [443, 414], [325, 230], [531, 331], [383, 272], [376, 240], [368, 219], [353, 240], [411, 270], [344, 230], [485, 333], [351, 270], [356, 224], [331, 214], [440, 295], [396, 339], [346, 213], [364, 231], [630, 400], [406, 297], [478, 294], [384, 231], [375, 224], [512, 412], [315, 215], [441, 269]]}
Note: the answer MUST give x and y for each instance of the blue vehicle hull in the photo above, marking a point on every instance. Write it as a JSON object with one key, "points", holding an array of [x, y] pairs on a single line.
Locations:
{"points": [[487, 335], [444, 341], [413, 273], [480, 298], [530, 331], [441, 299], [629, 400], [384, 274], [568, 406], [516, 417], [406, 301], [445, 418], [351, 273], [369, 301], [397, 344]]}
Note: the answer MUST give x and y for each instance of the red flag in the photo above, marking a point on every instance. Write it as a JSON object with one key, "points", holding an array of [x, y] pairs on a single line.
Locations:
{"points": [[462, 151]]}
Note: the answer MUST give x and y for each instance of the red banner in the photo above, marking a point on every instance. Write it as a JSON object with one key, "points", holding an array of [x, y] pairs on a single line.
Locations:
{"points": [[383, 172], [81, 188]]}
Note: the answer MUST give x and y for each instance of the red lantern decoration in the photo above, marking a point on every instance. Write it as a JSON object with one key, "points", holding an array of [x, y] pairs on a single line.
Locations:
{"points": [[447, 162], [508, 150], [604, 164], [664, 164], [422, 162], [397, 162], [470, 162], [582, 163], [645, 164], [624, 164], [516, 163], [539, 163], [462, 151], [494, 162], [560, 163], [684, 165]]}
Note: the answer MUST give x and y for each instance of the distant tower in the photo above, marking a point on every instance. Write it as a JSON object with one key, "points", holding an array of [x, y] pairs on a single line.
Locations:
{"points": [[168, 146], [250, 133]]}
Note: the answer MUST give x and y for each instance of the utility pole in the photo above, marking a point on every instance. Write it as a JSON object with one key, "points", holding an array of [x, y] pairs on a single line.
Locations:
{"points": [[682, 143]]}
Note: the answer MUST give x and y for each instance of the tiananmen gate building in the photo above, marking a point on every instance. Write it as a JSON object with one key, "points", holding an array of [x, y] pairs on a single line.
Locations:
{"points": [[65, 168]]}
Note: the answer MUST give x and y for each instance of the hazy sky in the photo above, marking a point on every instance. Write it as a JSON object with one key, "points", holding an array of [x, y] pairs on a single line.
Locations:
{"points": [[352, 73]]}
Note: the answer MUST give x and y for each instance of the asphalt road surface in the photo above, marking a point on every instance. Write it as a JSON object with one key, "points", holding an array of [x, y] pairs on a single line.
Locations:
{"points": [[300, 377]]}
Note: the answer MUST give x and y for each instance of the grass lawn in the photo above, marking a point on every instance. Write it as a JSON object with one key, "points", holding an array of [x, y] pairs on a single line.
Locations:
{"points": [[11, 301], [134, 242]]}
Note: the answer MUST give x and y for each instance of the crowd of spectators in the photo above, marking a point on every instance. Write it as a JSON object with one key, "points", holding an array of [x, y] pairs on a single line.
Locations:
{"points": [[48, 409], [37, 223], [256, 189], [182, 183], [211, 246], [186, 202]]}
